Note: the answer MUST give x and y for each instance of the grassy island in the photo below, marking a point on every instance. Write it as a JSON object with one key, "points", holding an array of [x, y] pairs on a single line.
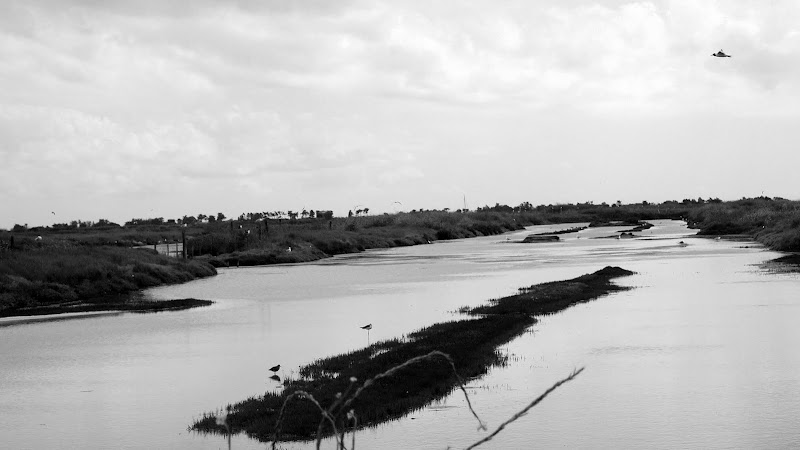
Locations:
{"points": [[472, 345]]}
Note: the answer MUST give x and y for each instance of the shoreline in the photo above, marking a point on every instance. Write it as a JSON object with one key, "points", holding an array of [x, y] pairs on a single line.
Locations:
{"points": [[452, 351], [88, 309]]}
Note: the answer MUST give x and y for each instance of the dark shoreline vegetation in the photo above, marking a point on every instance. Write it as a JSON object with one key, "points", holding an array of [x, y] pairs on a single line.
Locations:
{"points": [[60, 277], [115, 303], [90, 261], [472, 345]]}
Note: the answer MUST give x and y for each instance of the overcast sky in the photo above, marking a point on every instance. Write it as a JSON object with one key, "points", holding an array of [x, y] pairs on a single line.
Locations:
{"points": [[122, 109]]}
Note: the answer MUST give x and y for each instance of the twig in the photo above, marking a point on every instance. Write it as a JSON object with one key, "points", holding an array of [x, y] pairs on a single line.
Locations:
{"points": [[527, 408], [301, 394], [391, 371]]}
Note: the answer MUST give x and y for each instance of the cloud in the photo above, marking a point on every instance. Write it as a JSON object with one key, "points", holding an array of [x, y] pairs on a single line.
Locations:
{"points": [[315, 98]]}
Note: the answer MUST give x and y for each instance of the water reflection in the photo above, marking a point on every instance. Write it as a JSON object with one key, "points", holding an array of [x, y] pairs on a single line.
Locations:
{"points": [[704, 339]]}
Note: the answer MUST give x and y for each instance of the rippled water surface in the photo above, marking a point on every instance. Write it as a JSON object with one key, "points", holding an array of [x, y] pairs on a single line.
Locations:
{"points": [[701, 354]]}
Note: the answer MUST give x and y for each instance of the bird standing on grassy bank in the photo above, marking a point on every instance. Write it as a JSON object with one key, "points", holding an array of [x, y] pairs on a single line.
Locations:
{"points": [[275, 368]]}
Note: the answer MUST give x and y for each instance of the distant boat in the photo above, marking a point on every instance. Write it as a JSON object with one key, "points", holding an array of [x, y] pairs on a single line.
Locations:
{"points": [[721, 54]]}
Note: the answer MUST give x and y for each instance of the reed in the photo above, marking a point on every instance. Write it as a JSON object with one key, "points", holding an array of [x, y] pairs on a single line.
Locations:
{"points": [[396, 383]]}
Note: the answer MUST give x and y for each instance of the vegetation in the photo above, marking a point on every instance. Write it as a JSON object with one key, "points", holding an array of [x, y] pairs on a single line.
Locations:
{"points": [[470, 345], [79, 261], [278, 237], [775, 222], [61, 277]]}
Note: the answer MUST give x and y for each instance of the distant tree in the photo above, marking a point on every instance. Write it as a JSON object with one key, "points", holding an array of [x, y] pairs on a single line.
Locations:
{"points": [[350, 213], [311, 214], [220, 216], [19, 228], [211, 218], [304, 214], [202, 217], [366, 211]]}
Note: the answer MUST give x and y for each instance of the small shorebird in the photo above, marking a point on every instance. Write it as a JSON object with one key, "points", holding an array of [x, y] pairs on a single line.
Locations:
{"points": [[275, 368], [367, 327], [720, 54]]}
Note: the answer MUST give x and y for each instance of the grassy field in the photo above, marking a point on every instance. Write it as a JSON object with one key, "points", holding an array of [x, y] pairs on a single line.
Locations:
{"points": [[471, 344]]}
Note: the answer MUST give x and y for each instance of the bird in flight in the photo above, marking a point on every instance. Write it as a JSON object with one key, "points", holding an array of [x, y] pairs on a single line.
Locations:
{"points": [[720, 54], [275, 368], [367, 327]]}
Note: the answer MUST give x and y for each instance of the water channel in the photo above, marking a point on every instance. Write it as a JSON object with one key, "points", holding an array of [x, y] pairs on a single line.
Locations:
{"points": [[701, 354]]}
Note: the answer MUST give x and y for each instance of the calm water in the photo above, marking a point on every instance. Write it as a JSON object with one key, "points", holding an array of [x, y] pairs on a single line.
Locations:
{"points": [[700, 355]]}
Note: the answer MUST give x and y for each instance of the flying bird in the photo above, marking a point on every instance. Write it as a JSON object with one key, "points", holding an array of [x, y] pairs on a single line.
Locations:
{"points": [[367, 327], [721, 54], [275, 368]]}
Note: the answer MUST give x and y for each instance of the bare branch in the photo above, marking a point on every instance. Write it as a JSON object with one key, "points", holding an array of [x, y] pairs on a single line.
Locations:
{"points": [[393, 370], [527, 408]]}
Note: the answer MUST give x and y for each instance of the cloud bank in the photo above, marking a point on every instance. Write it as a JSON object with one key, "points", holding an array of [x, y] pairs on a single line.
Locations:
{"points": [[125, 109]]}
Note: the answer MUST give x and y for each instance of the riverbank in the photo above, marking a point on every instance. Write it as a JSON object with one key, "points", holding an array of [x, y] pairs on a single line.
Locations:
{"points": [[118, 304], [774, 222], [70, 278], [472, 345]]}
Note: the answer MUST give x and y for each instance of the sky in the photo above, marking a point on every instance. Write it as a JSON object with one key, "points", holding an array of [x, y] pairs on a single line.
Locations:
{"points": [[134, 109]]}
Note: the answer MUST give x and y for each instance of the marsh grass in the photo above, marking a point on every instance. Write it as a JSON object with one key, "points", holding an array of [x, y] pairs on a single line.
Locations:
{"points": [[772, 222], [548, 298], [40, 280], [397, 383]]}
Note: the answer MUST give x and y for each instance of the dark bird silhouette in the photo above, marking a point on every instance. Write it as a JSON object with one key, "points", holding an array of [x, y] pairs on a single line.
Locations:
{"points": [[721, 54], [276, 378], [367, 327], [275, 368]]}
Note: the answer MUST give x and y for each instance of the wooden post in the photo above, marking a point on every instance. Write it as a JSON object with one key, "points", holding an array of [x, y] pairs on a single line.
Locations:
{"points": [[183, 239]]}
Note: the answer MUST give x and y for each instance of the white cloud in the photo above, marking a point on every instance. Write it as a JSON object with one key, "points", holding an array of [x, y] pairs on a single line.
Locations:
{"points": [[320, 98]]}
